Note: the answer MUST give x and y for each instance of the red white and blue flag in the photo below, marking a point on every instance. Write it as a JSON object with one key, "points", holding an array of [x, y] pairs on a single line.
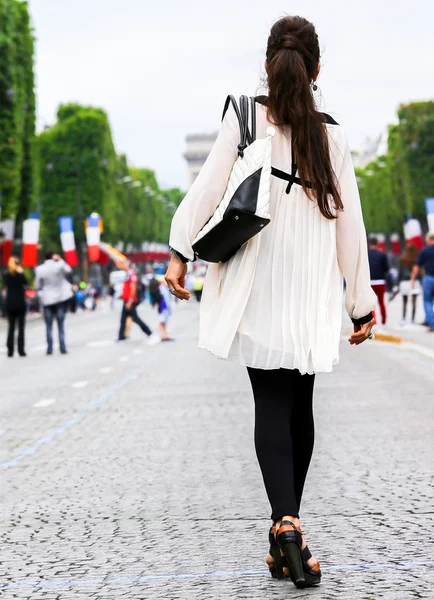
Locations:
{"points": [[7, 231], [93, 237], [395, 242], [413, 233], [68, 241], [30, 241], [429, 203]]}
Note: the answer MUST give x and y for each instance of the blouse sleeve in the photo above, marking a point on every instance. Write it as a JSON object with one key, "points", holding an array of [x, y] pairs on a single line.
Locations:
{"points": [[208, 189], [352, 247]]}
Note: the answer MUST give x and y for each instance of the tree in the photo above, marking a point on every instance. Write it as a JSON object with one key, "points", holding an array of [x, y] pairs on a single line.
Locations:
{"points": [[78, 171], [398, 183], [18, 177]]}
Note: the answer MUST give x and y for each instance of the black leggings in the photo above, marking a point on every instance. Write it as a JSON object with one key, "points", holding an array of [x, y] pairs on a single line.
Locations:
{"points": [[284, 435]]}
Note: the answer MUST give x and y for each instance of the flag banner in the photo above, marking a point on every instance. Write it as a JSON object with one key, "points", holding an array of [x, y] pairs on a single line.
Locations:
{"points": [[395, 243], [30, 242], [381, 241], [68, 242], [413, 233], [104, 259], [429, 203], [93, 237], [7, 234], [117, 257]]}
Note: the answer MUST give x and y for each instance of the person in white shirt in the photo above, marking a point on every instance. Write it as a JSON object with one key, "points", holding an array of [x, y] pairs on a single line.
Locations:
{"points": [[51, 279], [276, 306]]}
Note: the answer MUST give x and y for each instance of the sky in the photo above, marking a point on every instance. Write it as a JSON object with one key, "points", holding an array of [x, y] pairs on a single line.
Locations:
{"points": [[162, 69]]}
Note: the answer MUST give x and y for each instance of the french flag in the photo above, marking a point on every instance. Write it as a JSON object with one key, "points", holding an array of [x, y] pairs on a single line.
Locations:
{"points": [[413, 233], [381, 241], [429, 203], [395, 242], [7, 229], [30, 241], [68, 241], [93, 237]]}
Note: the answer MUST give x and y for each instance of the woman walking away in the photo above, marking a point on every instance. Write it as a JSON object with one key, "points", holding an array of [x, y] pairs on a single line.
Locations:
{"points": [[275, 306], [15, 283], [407, 261]]}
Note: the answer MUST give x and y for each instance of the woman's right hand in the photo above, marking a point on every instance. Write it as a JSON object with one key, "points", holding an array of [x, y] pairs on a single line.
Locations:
{"points": [[361, 333], [175, 278]]}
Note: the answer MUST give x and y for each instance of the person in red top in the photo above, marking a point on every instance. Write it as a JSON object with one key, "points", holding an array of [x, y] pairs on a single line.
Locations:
{"points": [[131, 300]]}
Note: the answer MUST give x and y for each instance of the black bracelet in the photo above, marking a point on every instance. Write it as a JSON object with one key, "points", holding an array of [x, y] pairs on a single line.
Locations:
{"points": [[363, 320], [179, 256]]}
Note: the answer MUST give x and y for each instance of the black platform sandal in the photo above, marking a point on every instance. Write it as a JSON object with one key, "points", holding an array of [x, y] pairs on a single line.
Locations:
{"points": [[276, 571], [290, 541], [312, 576]]}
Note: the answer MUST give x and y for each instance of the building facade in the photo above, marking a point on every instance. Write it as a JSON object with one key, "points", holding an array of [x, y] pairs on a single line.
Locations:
{"points": [[370, 150], [198, 148]]}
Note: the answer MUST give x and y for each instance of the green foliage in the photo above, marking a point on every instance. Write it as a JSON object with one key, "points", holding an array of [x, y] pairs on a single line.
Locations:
{"points": [[399, 182], [18, 179], [80, 173], [77, 171]]}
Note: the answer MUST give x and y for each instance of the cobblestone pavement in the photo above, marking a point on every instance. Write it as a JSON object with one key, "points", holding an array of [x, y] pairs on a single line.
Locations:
{"points": [[128, 471]]}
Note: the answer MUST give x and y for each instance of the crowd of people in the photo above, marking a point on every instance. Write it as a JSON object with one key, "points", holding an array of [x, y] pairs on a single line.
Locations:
{"points": [[54, 293], [411, 276]]}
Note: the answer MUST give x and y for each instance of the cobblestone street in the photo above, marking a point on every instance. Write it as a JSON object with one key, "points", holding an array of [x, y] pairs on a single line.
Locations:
{"points": [[128, 471]]}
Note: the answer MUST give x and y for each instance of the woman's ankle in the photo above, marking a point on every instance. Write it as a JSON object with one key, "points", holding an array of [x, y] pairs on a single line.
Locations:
{"points": [[292, 519]]}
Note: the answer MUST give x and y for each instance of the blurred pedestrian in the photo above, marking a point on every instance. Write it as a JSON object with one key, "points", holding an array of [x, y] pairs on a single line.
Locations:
{"points": [[129, 309], [154, 291], [425, 261], [15, 284], [379, 269], [111, 295], [275, 306], [198, 287], [51, 279], [164, 310], [407, 261]]}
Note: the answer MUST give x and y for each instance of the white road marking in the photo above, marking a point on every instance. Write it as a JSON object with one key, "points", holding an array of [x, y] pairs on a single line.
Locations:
{"points": [[417, 348], [138, 351], [105, 370], [100, 344], [45, 402], [124, 358], [80, 384]]}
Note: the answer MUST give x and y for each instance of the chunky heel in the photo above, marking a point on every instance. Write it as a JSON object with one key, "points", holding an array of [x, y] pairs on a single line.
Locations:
{"points": [[295, 563], [290, 543]]}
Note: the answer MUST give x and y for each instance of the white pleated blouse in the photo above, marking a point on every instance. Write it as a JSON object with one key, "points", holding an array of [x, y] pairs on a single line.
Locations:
{"points": [[278, 302]]}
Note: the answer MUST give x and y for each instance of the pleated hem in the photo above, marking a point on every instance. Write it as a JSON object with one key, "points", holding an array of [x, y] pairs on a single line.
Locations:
{"points": [[283, 363]]}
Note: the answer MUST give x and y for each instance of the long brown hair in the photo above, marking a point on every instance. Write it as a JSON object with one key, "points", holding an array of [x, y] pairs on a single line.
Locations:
{"points": [[293, 56], [409, 256]]}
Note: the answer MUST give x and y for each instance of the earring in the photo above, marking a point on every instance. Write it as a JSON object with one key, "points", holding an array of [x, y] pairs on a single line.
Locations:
{"points": [[314, 86]]}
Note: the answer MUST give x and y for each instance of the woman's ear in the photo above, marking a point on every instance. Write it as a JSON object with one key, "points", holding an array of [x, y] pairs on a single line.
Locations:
{"points": [[318, 69], [266, 67]]}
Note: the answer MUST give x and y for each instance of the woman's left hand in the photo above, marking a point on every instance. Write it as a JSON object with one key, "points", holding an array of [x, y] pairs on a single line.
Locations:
{"points": [[361, 333]]}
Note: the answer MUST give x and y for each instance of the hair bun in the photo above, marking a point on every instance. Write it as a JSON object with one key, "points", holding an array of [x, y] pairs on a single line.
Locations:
{"points": [[291, 42]]}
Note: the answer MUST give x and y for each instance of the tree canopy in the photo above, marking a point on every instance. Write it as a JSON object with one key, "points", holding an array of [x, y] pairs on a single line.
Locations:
{"points": [[81, 173], [398, 184], [18, 173]]}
